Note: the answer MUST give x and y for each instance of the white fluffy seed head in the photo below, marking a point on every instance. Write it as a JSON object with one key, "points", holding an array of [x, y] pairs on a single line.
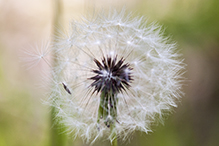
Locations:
{"points": [[156, 73]]}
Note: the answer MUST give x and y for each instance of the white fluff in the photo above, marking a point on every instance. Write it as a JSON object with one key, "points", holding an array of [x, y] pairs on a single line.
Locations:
{"points": [[157, 74]]}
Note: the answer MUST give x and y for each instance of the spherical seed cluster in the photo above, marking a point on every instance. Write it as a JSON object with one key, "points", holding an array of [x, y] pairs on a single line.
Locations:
{"points": [[125, 58]]}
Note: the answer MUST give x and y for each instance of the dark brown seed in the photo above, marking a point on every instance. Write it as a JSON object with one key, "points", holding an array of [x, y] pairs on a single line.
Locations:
{"points": [[66, 88]]}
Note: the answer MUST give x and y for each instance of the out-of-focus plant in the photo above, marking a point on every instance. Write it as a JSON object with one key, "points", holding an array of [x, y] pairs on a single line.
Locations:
{"points": [[58, 137]]}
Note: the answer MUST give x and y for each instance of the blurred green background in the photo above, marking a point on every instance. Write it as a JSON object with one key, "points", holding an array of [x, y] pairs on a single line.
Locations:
{"points": [[193, 24]]}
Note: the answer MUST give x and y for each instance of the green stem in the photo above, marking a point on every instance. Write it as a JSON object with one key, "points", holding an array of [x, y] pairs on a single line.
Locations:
{"points": [[114, 142], [108, 112], [114, 135], [58, 137]]}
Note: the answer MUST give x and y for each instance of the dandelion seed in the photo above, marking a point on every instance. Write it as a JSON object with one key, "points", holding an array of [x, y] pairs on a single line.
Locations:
{"points": [[66, 88], [121, 74], [35, 55]]}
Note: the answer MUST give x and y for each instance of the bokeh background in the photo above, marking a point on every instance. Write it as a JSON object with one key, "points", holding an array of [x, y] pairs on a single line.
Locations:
{"points": [[193, 24]]}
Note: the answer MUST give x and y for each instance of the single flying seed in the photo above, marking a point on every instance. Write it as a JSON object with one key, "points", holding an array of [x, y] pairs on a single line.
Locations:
{"points": [[66, 88]]}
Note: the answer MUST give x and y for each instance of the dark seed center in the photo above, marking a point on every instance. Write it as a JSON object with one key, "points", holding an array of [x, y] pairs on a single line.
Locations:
{"points": [[111, 75]]}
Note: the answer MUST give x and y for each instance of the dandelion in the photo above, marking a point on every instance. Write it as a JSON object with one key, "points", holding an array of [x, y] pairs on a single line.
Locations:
{"points": [[115, 74]]}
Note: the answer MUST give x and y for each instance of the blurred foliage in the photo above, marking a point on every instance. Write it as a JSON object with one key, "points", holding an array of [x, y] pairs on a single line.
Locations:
{"points": [[195, 27], [21, 121]]}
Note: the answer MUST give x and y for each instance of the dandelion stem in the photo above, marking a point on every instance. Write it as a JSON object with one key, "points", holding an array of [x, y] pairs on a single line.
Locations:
{"points": [[108, 112], [114, 135], [114, 142]]}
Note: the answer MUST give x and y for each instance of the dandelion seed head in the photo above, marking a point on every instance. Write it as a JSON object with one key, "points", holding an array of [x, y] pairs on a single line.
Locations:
{"points": [[116, 64]]}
